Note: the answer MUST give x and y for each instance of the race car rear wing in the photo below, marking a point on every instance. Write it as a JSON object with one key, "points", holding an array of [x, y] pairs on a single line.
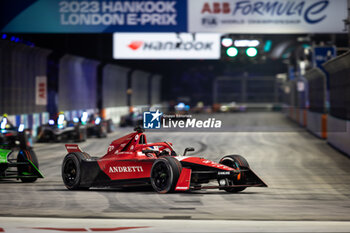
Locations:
{"points": [[71, 148]]}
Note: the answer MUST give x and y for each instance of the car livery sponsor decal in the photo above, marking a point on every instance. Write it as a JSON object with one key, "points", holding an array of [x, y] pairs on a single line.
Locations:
{"points": [[224, 173], [115, 169], [181, 188], [3, 155], [204, 162]]}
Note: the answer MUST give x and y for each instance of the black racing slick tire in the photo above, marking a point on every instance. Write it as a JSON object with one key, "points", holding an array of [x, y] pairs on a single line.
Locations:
{"points": [[80, 134], [22, 157], [102, 130], [237, 162], [71, 171], [165, 173]]}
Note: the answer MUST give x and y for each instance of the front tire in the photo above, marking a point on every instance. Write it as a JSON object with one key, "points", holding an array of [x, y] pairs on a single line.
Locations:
{"points": [[24, 156], [237, 162], [165, 173]]}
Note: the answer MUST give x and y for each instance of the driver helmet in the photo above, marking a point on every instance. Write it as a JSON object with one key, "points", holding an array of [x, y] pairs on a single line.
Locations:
{"points": [[154, 148]]}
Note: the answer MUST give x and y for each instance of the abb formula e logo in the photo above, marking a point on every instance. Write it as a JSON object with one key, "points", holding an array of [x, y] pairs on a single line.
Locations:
{"points": [[312, 12], [166, 46], [267, 16]]}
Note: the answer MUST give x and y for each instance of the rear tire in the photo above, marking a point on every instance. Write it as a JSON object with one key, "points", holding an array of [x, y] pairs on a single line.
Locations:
{"points": [[102, 130], [237, 162], [165, 173], [71, 172], [81, 134], [23, 156]]}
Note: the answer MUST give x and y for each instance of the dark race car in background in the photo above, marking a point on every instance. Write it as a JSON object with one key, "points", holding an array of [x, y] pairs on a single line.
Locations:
{"points": [[17, 158], [133, 118], [131, 161], [94, 124], [61, 130]]}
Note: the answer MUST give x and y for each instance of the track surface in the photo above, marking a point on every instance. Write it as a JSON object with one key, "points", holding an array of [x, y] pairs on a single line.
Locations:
{"points": [[308, 180], [54, 225]]}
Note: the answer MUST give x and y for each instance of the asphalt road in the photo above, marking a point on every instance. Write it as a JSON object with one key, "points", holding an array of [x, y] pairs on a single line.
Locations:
{"points": [[308, 180], [54, 225]]}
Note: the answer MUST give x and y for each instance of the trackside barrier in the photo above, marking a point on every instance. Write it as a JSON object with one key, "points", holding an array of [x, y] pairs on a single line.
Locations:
{"points": [[114, 89], [115, 113], [304, 117], [139, 85], [23, 69], [70, 115], [292, 101], [317, 123], [77, 83], [339, 134], [338, 123], [155, 89], [285, 109], [30, 121], [300, 89], [316, 114], [296, 115], [114, 86]]}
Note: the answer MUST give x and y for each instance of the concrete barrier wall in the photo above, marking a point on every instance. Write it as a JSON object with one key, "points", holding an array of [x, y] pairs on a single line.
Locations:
{"points": [[339, 117], [115, 113], [155, 89], [77, 83], [302, 117], [139, 85], [114, 86], [317, 123], [20, 65], [338, 134], [317, 90], [114, 96], [339, 70], [30, 121], [317, 93]]}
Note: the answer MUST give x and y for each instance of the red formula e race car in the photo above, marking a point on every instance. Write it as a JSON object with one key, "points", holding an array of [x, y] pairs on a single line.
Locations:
{"points": [[131, 161]]}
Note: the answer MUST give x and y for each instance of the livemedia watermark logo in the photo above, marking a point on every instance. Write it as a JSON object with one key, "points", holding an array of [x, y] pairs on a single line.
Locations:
{"points": [[157, 120], [152, 120]]}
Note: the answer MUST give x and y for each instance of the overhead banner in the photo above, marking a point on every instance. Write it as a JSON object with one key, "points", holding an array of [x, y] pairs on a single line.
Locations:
{"points": [[67, 16], [267, 16], [166, 46]]}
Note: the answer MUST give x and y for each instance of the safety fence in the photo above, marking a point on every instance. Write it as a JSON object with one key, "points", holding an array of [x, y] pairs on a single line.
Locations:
{"points": [[241, 89], [36, 84], [338, 126], [22, 72], [77, 83], [327, 111]]}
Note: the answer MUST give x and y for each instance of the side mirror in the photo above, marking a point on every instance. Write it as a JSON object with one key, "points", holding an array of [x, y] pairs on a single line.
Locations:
{"points": [[188, 149]]}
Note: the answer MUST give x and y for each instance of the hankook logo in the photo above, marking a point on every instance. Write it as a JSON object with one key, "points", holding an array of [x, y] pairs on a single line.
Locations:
{"points": [[135, 45], [171, 45], [166, 46]]}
